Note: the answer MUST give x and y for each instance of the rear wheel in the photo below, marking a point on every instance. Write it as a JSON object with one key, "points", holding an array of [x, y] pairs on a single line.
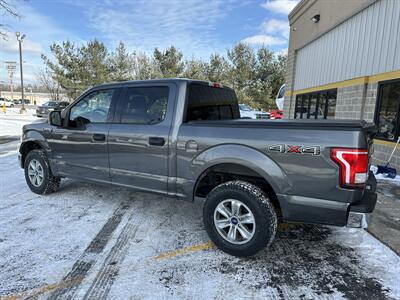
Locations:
{"points": [[239, 218], [38, 174]]}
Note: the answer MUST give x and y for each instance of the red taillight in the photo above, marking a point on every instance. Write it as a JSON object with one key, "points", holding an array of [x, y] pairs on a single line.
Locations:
{"points": [[353, 165], [214, 84]]}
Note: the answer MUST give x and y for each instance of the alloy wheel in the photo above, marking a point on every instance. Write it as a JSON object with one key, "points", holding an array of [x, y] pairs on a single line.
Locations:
{"points": [[234, 221], [35, 173]]}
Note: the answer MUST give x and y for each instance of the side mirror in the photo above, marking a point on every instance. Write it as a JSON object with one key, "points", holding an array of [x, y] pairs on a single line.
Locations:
{"points": [[55, 118]]}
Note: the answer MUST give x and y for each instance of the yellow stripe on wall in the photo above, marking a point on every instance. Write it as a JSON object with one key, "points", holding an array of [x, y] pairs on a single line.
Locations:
{"points": [[385, 143], [346, 83]]}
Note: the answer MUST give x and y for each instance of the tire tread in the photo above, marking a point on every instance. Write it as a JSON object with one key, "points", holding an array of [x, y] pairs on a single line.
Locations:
{"points": [[52, 183], [265, 208]]}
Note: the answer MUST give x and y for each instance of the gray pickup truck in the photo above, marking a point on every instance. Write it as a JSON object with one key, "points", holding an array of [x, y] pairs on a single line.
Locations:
{"points": [[184, 139]]}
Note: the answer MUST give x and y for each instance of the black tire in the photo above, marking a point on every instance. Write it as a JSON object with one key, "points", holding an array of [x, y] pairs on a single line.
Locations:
{"points": [[262, 209], [50, 182]]}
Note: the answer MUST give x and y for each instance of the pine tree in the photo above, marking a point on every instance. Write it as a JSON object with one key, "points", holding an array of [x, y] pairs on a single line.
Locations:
{"points": [[218, 69], [122, 63], [195, 69], [169, 62], [145, 67], [243, 72], [77, 69], [256, 77]]}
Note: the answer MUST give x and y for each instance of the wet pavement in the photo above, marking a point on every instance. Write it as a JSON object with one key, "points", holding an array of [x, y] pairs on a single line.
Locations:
{"points": [[385, 223]]}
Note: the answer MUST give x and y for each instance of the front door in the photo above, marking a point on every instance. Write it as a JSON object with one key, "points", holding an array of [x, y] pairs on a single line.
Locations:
{"points": [[139, 139], [80, 147]]}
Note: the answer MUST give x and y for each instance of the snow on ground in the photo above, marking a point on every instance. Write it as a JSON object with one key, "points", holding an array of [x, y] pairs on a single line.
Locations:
{"points": [[95, 242], [395, 180], [11, 123], [11, 129]]}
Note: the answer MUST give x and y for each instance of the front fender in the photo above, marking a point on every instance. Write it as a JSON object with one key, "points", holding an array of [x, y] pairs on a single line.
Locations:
{"points": [[36, 137], [247, 157], [31, 137]]}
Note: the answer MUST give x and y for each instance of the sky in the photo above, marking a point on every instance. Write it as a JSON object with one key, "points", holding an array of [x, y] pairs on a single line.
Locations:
{"points": [[197, 28]]}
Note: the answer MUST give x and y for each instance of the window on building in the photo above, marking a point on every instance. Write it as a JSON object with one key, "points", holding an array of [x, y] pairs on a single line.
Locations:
{"points": [[317, 105], [387, 116]]}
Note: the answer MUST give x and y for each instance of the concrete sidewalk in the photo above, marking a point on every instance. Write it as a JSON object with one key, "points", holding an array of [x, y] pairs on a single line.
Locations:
{"points": [[385, 224]]}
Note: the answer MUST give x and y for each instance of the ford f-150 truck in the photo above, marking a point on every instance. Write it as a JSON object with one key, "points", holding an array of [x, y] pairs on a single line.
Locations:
{"points": [[184, 139]]}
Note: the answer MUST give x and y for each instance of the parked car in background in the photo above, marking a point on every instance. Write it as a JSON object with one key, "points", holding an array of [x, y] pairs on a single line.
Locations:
{"points": [[45, 109], [276, 114], [19, 101], [247, 112], [5, 101], [280, 97]]}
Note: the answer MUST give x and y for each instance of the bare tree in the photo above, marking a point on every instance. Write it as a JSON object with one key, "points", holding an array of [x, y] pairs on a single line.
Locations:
{"points": [[6, 8], [46, 79]]}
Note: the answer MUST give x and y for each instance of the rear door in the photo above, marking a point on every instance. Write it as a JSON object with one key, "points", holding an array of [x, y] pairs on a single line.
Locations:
{"points": [[139, 139], [80, 147]]}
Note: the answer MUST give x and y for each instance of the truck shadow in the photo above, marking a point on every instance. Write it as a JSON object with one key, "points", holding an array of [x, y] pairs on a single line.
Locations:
{"points": [[304, 256]]}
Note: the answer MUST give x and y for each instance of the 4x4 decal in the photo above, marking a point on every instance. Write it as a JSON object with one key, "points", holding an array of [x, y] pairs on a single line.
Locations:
{"points": [[314, 150]]}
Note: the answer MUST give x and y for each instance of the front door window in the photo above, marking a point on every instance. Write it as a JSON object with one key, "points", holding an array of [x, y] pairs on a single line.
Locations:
{"points": [[93, 108]]}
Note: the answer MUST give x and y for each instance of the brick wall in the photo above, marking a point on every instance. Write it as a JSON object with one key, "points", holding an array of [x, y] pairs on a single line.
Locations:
{"points": [[382, 153], [349, 102], [358, 102], [370, 102], [289, 103]]}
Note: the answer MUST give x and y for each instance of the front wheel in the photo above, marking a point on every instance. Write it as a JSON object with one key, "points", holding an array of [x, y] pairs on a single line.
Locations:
{"points": [[239, 218], [38, 174]]}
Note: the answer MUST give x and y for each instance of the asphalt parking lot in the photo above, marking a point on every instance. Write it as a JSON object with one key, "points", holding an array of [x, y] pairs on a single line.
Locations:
{"points": [[96, 242]]}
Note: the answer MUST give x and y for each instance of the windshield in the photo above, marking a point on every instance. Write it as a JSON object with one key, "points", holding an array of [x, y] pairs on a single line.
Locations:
{"points": [[244, 107], [50, 103]]}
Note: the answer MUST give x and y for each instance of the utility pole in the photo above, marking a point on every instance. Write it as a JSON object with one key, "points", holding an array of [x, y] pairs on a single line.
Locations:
{"points": [[20, 39], [11, 67]]}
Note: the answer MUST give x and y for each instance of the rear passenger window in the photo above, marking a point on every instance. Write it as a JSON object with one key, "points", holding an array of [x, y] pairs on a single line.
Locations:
{"points": [[144, 105], [209, 102]]}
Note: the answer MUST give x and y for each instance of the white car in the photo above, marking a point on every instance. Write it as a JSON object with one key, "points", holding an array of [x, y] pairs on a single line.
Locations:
{"points": [[280, 98], [8, 103], [248, 113]]}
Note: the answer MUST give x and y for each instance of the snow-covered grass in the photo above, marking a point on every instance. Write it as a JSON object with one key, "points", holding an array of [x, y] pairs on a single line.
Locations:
{"points": [[11, 123]]}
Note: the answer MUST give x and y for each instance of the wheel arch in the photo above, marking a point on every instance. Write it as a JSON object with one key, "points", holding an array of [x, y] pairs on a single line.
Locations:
{"points": [[32, 140], [229, 162]]}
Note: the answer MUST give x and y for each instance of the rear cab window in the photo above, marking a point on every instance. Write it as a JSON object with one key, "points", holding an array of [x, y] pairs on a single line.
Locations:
{"points": [[208, 101]]}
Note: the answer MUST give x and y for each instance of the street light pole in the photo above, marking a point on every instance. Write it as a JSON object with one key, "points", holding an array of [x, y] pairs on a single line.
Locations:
{"points": [[20, 39]]}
